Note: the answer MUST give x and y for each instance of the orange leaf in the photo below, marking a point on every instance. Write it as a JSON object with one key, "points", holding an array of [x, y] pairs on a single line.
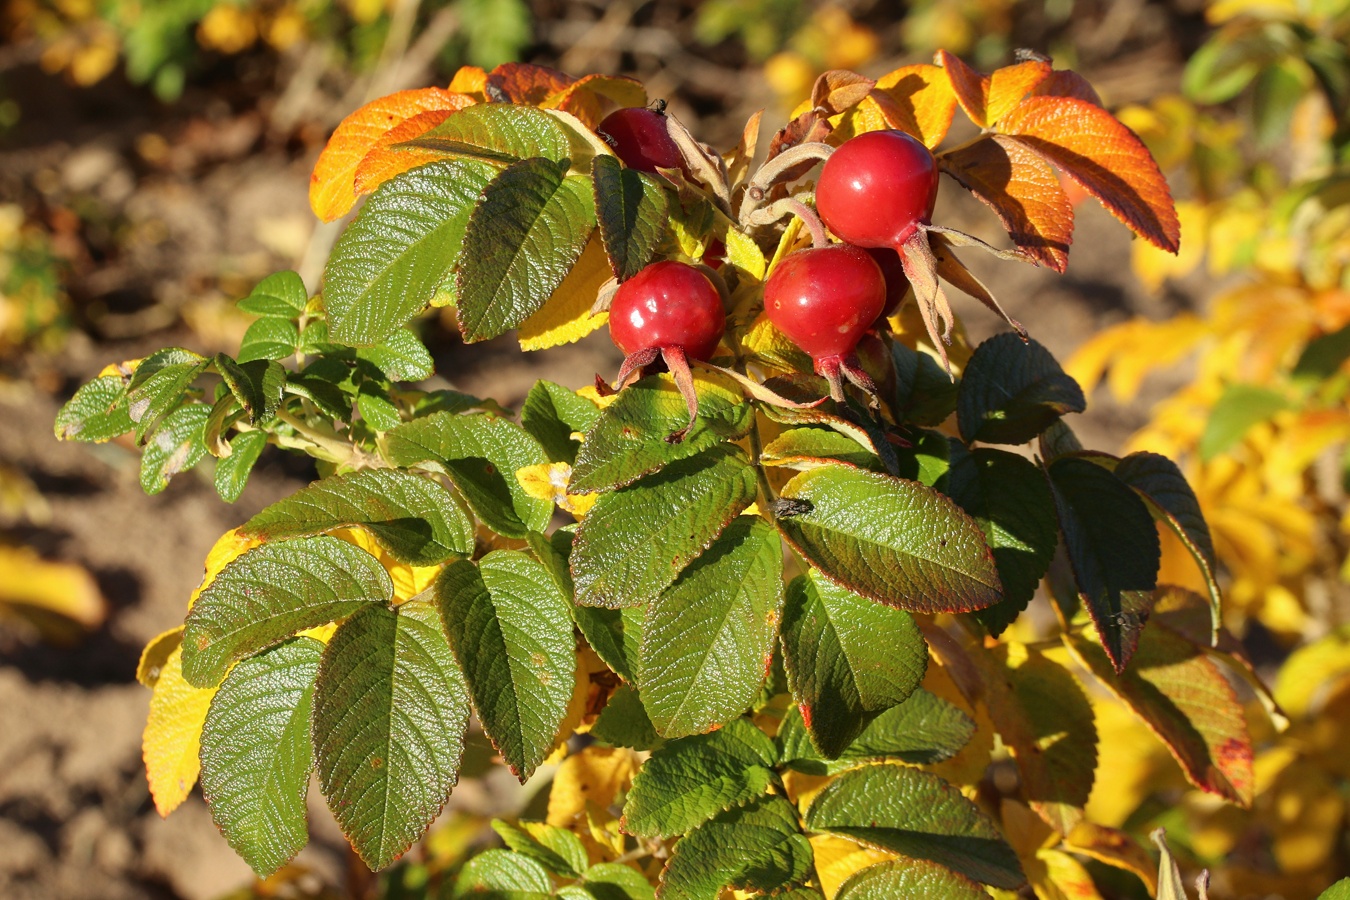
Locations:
{"points": [[1022, 190], [470, 80], [1067, 83], [969, 86], [1105, 157], [1009, 85], [524, 83], [383, 162], [331, 191], [586, 99], [838, 90], [918, 100]]}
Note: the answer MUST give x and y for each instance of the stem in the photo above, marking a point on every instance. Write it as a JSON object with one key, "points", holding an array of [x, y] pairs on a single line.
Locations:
{"points": [[334, 448], [758, 187]]}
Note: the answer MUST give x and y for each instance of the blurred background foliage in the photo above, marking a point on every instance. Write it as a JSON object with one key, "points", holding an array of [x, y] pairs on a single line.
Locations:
{"points": [[133, 131]]}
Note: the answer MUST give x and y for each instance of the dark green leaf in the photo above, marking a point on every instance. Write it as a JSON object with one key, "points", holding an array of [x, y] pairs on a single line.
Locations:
{"points": [[153, 398], [924, 393], [1058, 440], [758, 847], [917, 814], [614, 881], [282, 294], [1012, 390], [891, 540], [689, 781], [511, 632], [257, 385], [552, 413], [232, 471], [925, 729], [707, 638], [635, 541], [525, 234], [389, 720], [328, 397], [97, 412], [256, 755], [1323, 357], [614, 634], [502, 875], [807, 448], [846, 657], [909, 878], [1113, 548], [269, 338], [402, 357], [497, 132], [1241, 407], [176, 447], [407, 238], [412, 516], [631, 209], [1008, 498], [270, 593], [624, 721]]}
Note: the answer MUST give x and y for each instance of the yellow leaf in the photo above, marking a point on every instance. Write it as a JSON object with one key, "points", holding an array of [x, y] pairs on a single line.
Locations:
{"points": [[596, 774], [1130, 351], [1304, 813], [156, 655], [967, 767], [228, 547], [1131, 764], [601, 400], [773, 349], [838, 858], [1154, 266], [1115, 848], [173, 734], [566, 316], [548, 481], [409, 581], [1058, 876], [470, 80], [38, 589], [1308, 670], [744, 254]]}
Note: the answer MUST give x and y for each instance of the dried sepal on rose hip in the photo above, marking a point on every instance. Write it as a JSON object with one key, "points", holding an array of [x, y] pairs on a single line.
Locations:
{"points": [[671, 310]]}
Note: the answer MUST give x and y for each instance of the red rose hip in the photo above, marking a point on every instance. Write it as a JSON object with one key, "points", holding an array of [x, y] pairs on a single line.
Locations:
{"points": [[640, 139], [877, 188]]}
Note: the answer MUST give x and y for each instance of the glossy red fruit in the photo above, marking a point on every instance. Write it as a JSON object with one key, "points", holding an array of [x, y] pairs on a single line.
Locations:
{"points": [[667, 304], [877, 188], [893, 270], [640, 139], [825, 299]]}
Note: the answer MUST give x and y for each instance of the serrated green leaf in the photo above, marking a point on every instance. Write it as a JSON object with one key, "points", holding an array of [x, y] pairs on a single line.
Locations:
{"points": [[481, 454], [525, 234], [631, 208], [271, 592], [1113, 548], [375, 409], [328, 397], [511, 632], [314, 339], [153, 398], [909, 878], [614, 881], [891, 540], [269, 338], [808, 448], [1240, 407], [175, 447], [257, 385], [502, 875], [281, 294], [412, 516], [552, 413], [631, 437], [917, 814], [925, 729], [758, 847], [256, 755], [390, 715], [689, 781], [97, 412], [1008, 498], [406, 240], [156, 362], [847, 658], [707, 639], [1011, 390], [614, 634], [402, 357], [232, 471], [556, 849], [624, 722], [927, 458], [497, 132], [635, 541], [924, 393]]}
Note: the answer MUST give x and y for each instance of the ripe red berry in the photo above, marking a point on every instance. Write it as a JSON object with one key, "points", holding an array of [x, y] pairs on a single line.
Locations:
{"points": [[640, 139], [877, 188], [824, 299], [667, 304]]}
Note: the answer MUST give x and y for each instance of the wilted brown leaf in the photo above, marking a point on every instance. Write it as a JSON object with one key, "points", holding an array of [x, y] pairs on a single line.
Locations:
{"points": [[838, 90]]}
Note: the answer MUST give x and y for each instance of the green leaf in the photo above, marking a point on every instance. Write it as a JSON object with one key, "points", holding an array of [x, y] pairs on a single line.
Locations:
{"points": [[282, 295], [1323, 356], [270, 593], [1008, 498], [925, 729], [402, 357], [497, 132], [909, 878], [614, 634], [635, 541], [1241, 407], [525, 234], [502, 875], [1113, 548], [511, 632], [1220, 69], [97, 412], [846, 657], [928, 458], [412, 516], [689, 781], [631, 208], [150, 399], [624, 721], [759, 847], [232, 471], [893, 541], [406, 240], [556, 849], [924, 393], [917, 814], [257, 385], [1011, 390], [614, 881], [375, 409], [390, 714], [552, 413], [481, 454], [256, 755], [156, 362], [1338, 891], [706, 639], [176, 447], [631, 437], [269, 338], [324, 394], [808, 448]]}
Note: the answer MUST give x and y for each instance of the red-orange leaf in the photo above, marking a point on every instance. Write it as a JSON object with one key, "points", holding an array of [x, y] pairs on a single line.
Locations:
{"points": [[331, 187], [968, 85], [919, 100], [1067, 83], [1022, 190], [524, 83], [383, 162], [1007, 86], [1105, 157]]}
